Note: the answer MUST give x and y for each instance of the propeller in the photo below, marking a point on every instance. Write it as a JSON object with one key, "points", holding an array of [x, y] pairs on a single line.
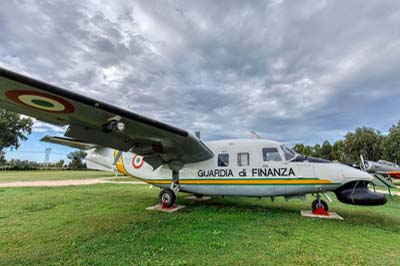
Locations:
{"points": [[364, 164]]}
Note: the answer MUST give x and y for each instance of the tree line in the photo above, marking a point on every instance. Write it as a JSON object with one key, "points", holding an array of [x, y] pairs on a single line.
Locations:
{"points": [[366, 141], [15, 128], [76, 163]]}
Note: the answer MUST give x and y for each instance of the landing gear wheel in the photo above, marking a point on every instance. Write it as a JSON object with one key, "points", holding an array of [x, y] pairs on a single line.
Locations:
{"points": [[168, 196], [315, 205]]}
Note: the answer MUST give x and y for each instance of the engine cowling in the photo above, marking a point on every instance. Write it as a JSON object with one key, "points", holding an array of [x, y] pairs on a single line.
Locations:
{"points": [[147, 148]]}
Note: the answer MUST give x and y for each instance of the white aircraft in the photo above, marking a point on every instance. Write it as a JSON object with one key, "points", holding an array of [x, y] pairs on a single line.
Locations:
{"points": [[386, 168], [381, 167], [175, 160]]}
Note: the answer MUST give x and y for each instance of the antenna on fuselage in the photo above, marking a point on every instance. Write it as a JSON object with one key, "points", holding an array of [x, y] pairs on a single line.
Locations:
{"points": [[254, 135]]}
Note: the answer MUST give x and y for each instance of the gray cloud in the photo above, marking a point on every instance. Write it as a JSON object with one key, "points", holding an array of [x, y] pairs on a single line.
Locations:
{"points": [[292, 71]]}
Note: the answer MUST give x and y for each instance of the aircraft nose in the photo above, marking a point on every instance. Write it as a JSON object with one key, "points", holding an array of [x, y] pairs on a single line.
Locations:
{"points": [[350, 173]]}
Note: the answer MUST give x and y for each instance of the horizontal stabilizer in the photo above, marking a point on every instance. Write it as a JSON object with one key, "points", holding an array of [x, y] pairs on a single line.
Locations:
{"points": [[74, 143]]}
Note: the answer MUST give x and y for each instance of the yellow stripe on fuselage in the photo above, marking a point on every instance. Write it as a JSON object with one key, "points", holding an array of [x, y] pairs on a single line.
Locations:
{"points": [[120, 164], [295, 181], [240, 182]]}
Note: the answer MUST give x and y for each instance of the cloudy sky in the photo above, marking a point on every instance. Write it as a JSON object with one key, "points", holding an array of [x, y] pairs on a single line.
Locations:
{"points": [[294, 71]]}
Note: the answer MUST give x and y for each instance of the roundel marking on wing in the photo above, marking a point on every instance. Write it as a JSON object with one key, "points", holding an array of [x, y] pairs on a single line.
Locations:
{"points": [[137, 161], [40, 101]]}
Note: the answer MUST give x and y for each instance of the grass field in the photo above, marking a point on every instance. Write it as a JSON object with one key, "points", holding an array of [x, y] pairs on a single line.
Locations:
{"points": [[106, 224], [9, 176]]}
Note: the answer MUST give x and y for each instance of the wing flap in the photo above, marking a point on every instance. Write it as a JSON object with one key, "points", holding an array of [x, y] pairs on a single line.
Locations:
{"points": [[73, 143], [111, 139]]}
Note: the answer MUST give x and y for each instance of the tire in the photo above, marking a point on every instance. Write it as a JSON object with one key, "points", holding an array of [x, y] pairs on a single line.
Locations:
{"points": [[314, 205], [198, 196], [168, 195]]}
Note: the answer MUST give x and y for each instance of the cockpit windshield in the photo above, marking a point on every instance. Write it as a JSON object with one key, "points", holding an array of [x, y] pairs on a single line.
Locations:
{"points": [[289, 153], [388, 163]]}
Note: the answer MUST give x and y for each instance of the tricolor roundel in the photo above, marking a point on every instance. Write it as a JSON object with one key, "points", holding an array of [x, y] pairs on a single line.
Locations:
{"points": [[40, 101], [137, 161]]}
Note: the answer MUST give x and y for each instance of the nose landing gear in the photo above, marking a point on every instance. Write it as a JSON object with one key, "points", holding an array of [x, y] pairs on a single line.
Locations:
{"points": [[319, 206]]}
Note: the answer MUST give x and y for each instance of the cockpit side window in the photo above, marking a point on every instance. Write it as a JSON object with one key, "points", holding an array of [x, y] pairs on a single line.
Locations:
{"points": [[271, 154], [243, 159], [223, 159], [289, 154]]}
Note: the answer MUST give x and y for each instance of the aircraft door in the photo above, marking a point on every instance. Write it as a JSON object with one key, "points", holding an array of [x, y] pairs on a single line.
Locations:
{"points": [[272, 160]]}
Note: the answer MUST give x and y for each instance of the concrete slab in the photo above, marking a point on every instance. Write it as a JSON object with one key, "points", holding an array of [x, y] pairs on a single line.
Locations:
{"points": [[332, 215], [196, 199], [158, 207]]}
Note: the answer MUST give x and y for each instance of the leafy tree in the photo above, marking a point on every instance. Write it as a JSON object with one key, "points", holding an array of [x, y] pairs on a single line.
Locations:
{"points": [[338, 151], [303, 149], [60, 164], [365, 141], [316, 151], [391, 145], [299, 148], [76, 158], [326, 150], [308, 150], [13, 129]]}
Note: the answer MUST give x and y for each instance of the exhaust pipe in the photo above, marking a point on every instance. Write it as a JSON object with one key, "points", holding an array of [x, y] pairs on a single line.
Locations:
{"points": [[357, 193]]}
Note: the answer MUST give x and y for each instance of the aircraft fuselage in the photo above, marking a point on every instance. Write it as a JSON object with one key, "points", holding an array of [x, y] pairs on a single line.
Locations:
{"points": [[239, 168]]}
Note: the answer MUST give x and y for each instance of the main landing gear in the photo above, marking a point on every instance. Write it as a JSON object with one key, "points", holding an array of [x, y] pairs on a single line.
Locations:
{"points": [[167, 196], [319, 206]]}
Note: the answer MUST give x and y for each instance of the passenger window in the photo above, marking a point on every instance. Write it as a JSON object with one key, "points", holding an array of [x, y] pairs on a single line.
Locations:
{"points": [[271, 154], [243, 159], [223, 159]]}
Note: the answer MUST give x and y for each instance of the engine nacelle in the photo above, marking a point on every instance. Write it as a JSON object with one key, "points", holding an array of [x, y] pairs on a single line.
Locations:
{"points": [[146, 148], [357, 193], [369, 166]]}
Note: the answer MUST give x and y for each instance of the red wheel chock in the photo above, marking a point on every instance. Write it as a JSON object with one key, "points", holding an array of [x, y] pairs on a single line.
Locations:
{"points": [[321, 211], [164, 204]]}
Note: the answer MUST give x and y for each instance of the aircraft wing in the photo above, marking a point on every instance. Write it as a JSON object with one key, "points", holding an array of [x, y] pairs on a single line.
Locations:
{"points": [[99, 123]]}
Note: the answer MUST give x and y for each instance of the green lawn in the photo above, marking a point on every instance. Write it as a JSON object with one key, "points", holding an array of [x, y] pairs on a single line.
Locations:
{"points": [[121, 178], [106, 224], [9, 176]]}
